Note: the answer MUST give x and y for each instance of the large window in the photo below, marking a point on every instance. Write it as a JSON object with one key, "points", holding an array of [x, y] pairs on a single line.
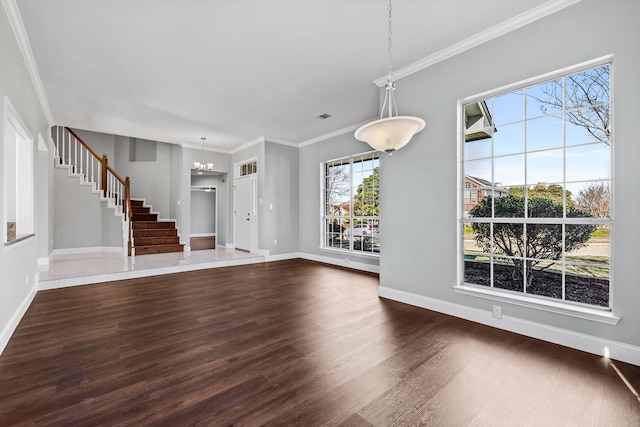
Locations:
{"points": [[539, 157], [351, 204]]}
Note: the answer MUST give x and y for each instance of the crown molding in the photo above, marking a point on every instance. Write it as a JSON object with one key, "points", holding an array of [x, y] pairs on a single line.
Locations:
{"points": [[196, 146], [246, 145], [491, 33], [13, 14], [281, 141], [335, 133]]}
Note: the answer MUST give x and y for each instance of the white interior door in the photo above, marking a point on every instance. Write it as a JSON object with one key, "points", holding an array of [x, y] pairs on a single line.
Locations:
{"points": [[243, 213]]}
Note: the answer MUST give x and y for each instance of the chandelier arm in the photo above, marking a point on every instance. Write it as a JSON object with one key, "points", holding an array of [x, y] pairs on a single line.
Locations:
{"points": [[395, 106], [384, 103]]}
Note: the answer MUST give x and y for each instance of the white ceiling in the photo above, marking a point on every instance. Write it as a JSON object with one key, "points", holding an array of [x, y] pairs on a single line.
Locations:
{"points": [[237, 71]]}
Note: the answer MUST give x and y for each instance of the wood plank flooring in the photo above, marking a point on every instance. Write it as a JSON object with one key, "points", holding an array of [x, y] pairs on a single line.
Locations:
{"points": [[287, 343]]}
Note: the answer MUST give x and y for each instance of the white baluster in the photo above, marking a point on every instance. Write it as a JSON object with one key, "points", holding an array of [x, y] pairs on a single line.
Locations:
{"points": [[57, 141], [64, 158], [80, 147]]}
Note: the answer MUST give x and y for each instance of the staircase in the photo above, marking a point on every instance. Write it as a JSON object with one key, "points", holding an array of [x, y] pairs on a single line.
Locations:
{"points": [[142, 232], [151, 236]]}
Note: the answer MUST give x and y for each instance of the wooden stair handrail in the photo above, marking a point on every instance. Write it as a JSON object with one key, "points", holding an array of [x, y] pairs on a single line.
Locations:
{"points": [[75, 135], [104, 163], [114, 173]]}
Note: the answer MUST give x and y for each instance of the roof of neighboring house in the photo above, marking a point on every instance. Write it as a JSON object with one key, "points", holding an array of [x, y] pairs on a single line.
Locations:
{"points": [[478, 122], [480, 181], [484, 183]]}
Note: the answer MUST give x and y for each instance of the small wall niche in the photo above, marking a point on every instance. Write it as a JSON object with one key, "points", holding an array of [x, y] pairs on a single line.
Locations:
{"points": [[142, 150]]}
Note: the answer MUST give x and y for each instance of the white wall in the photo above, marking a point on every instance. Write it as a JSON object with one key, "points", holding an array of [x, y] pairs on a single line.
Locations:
{"points": [[42, 205], [150, 179], [100, 143], [83, 220], [18, 262], [418, 184], [280, 200], [175, 174]]}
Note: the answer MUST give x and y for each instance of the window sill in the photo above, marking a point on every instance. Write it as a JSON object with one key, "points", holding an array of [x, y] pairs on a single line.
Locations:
{"points": [[350, 253], [594, 314], [13, 243]]}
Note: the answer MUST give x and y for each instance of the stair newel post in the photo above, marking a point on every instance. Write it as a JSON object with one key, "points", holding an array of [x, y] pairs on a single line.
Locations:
{"points": [[104, 163], [127, 210]]}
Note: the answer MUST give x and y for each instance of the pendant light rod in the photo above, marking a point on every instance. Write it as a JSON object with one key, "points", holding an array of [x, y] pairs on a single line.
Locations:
{"points": [[392, 132], [390, 47], [390, 86]]}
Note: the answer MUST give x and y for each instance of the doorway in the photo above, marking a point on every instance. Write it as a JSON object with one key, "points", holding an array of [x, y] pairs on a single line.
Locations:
{"points": [[204, 218]]}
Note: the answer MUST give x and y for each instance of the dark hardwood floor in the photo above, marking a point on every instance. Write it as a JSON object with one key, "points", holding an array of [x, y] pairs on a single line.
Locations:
{"points": [[288, 343]]}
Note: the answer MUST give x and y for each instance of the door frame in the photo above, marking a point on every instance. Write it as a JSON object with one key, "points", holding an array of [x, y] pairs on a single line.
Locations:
{"points": [[254, 227]]}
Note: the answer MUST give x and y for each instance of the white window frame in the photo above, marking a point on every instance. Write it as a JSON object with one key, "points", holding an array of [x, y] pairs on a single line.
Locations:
{"points": [[604, 315], [352, 217]]}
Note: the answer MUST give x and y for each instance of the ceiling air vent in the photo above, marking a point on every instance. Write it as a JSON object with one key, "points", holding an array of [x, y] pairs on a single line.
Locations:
{"points": [[324, 116]]}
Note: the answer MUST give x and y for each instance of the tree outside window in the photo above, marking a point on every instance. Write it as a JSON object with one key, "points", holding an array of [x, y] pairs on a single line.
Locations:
{"points": [[351, 197], [542, 226]]}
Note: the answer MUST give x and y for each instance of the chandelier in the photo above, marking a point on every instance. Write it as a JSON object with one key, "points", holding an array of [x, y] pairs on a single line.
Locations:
{"points": [[202, 166], [392, 132]]}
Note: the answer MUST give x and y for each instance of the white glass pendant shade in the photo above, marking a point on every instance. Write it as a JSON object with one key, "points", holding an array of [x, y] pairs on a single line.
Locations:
{"points": [[196, 165], [209, 166], [389, 133]]}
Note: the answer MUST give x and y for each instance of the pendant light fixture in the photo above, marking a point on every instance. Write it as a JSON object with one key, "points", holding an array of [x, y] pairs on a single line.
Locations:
{"points": [[392, 132], [202, 166]]}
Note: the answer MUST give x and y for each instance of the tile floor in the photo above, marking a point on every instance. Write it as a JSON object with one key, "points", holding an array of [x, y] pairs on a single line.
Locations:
{"points": [[95, 267]]}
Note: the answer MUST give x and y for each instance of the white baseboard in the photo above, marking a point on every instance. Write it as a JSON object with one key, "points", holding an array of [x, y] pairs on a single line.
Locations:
{"points": [[283, 257], [75, 251], [8, 330], [589, 343], [342, 262], [43, 261], [326, 260]]}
